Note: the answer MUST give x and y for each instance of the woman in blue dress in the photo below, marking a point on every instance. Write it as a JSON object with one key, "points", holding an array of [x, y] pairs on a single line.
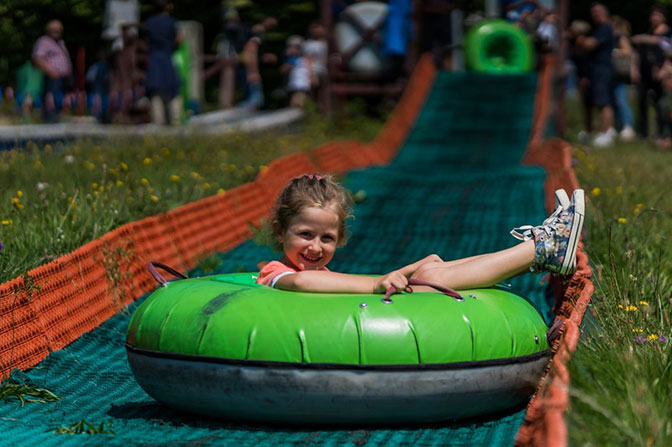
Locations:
{"points": [[163, 83]]}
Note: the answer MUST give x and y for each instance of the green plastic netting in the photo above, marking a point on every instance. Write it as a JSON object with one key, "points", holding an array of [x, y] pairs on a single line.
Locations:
{"points": [[455, 189]]}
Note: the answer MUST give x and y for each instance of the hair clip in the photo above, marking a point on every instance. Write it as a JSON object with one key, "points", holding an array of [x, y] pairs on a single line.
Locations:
{"points": [[315, 176]]}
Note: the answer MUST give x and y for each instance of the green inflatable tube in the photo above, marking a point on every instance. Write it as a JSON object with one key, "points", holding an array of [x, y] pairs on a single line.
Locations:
{"points": [[498, 47], [225, 346]]}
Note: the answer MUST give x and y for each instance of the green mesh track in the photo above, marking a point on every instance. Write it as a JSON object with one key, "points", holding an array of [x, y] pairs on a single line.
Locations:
{"points": [[455, 189]]}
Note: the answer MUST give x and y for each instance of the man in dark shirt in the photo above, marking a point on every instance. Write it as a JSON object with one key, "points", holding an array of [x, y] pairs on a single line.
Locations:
{"points": [[600, 44]]}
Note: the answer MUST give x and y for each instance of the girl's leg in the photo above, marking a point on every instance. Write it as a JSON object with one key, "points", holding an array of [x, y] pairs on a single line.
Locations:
{"points": [[549, 247], [479, 271]]}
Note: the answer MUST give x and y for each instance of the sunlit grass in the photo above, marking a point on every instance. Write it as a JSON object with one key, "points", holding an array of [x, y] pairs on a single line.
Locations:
{"points": [[621, 372], [55, 198]]}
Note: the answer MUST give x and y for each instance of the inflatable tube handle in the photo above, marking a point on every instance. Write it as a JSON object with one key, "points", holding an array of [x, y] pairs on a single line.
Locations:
{"points": [[152, 265], [416, 282]]}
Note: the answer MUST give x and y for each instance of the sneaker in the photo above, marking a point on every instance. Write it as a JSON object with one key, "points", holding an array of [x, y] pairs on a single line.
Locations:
{"points": [[561, 201], [627, 133], [583, 137], [557, 239], [604, 139]]}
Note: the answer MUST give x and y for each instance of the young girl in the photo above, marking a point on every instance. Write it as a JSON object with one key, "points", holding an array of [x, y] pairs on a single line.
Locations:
{"points": [[309, 223]]}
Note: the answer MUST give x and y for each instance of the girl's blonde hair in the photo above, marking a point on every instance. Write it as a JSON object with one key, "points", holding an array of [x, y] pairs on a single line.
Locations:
{"points": [[310, 190]]}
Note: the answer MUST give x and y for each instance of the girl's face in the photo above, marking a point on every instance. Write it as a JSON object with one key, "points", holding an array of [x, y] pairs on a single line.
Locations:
{"points": [[310, 240]]}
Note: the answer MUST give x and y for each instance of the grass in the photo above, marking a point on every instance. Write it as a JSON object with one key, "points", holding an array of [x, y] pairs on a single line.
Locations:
{"points": [[55, 198], [12, 390], [84, 428], [621, 371]]}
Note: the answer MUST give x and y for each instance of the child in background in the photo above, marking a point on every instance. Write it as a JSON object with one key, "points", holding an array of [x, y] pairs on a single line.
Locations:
{"points": [[298, 69], [308, 225], [315, 49]]}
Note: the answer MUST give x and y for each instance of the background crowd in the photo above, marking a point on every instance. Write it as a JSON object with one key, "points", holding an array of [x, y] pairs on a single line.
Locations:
{"points": [[137, 75], [607, 58]]}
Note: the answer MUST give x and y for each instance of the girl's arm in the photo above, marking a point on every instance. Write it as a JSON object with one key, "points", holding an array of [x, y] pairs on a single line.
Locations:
{"points": [[333, 282]]}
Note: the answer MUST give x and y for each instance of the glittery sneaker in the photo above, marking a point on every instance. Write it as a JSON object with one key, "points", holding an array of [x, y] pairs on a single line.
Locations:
{"points": [[557, 238]]}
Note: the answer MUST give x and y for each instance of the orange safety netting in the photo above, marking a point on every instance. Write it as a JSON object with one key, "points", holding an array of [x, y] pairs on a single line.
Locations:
{"points": [[53, 305], [544, 421]]}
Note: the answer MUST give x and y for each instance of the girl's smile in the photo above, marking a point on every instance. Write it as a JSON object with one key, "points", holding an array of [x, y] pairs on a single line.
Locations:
{"points": [[311, 238]]}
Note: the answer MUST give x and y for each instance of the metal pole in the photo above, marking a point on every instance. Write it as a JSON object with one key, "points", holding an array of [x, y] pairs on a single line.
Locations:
{"points": [[457, 38], [492, 8]]}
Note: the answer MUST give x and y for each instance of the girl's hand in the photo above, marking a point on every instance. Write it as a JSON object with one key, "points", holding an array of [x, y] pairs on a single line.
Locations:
{"points": [[394, 279]]}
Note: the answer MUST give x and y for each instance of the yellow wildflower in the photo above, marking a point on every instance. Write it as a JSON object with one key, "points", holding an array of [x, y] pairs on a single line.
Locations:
{"points": [[120, 183], [144, 181], [19, 193], [221, 191], [88, 165], [94, 185], [643, 303], [639, 331], [6, 221], [620, 306], [174, 178], [619, 190], [206, 185], [638, 209], [123, 166], [652, 337], [165, 151], [596, 191], [112, 171], [147, 161], [630, 308], [153, 198], [47, 148], [622, 220]]}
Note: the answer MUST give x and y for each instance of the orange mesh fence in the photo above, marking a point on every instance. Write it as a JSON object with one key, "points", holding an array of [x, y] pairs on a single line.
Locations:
{"points": [[545, 418], [54, 304]]}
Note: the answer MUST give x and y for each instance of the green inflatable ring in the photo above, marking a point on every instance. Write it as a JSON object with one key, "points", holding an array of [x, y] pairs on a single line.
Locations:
{"points": [[225, 346], [498, 47]]}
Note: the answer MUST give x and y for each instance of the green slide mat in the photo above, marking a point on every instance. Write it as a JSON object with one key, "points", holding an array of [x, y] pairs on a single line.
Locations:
{"points": [[456, 188]]}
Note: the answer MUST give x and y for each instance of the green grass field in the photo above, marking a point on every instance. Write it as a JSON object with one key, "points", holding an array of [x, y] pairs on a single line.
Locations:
{"points": [[55, 198], [621, 372]]}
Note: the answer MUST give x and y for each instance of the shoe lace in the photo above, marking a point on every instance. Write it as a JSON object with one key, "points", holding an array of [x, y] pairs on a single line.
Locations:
{"points": [[524, 233]]}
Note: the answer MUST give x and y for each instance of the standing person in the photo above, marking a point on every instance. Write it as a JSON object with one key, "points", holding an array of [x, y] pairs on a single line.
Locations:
{"points": [[600, 45], [52, 57], [651, 59], [120, 30], [581, 60], [624, 72], [315, 49], [299, 72], [163, 84], [253, 56]]}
